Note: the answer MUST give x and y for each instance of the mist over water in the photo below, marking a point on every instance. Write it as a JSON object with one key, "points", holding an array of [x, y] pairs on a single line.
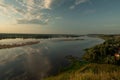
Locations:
{"points": [[35, 62]]}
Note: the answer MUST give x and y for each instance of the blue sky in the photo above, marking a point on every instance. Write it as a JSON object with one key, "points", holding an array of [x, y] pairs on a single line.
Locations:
{"points": [[60, 16]]}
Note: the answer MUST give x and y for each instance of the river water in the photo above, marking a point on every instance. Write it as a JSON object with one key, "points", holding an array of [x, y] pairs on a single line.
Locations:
{"points": [[34, 62]]}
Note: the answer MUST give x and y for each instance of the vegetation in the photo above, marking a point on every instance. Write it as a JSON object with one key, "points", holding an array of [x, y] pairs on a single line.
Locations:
{"points": [[98, 63], [36, 36], [104, 53], [91, 71]]}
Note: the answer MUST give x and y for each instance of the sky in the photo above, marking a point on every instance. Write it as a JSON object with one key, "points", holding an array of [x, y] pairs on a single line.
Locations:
{"points": [[60, 16]]}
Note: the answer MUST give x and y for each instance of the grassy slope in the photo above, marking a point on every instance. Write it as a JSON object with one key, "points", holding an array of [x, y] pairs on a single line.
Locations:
{"points": [[91, 71]]}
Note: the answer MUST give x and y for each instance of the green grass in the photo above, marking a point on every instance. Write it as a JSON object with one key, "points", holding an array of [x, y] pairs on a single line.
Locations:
{"points": [[90, 71]]}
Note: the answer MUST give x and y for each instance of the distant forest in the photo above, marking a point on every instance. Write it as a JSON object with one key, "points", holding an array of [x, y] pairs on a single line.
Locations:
{"points": [[36, 36]]}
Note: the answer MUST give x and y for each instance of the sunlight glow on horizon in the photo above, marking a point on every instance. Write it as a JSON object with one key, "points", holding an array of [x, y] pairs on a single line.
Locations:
{"points": [[59, 16]]}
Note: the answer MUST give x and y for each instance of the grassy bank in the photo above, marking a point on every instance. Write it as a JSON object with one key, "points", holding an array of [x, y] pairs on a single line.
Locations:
{"points": [[102, 64], [91, 71]]}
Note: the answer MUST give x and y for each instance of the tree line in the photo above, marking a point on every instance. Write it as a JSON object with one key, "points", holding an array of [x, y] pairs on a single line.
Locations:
{"points": [[37, 36]]}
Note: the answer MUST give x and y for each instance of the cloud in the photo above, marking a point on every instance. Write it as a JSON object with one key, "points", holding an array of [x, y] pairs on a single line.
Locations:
{"points": [[47, 4], [78, 2], [35, 11], [90, 11], [27, 11], [58, 18], [72, 7], [32, 21]]}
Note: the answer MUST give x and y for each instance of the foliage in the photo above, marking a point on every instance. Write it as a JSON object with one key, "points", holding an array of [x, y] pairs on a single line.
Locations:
{"points": [[103, 53], [75, 63], [36, 36]]}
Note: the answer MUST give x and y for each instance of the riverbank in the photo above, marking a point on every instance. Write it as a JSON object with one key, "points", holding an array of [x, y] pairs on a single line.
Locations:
{"points": [[4, 46], [101, 63], [90, 71]]}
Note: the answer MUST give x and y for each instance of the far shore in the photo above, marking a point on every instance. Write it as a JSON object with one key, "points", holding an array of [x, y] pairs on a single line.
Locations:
{"points": [[4, 46], [70, 39]]}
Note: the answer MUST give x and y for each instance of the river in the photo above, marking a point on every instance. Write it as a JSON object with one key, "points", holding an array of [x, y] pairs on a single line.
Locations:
{"points": [[34, 62]]}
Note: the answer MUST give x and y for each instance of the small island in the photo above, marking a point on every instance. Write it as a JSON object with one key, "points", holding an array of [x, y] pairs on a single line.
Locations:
{"points": [[4, 46]]}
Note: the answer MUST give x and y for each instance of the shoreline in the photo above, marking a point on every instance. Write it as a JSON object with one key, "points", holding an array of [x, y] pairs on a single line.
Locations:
{"points": [[5, 46], [94, 60]]}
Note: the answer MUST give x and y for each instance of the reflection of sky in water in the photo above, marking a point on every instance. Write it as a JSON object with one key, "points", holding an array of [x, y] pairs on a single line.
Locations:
{"points": [[35, 61], [28, 60]]}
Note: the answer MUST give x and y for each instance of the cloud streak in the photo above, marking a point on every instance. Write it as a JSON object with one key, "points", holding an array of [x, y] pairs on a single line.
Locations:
{"points": [[34, 11], [78, 2], [27, 11]]}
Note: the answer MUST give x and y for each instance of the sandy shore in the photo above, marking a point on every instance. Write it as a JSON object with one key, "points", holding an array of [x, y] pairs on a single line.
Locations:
{"points": [[4, 46]]}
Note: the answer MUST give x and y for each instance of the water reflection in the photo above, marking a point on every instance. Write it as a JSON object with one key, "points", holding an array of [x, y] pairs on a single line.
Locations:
{"points": [[26, 61], [35, 62]]}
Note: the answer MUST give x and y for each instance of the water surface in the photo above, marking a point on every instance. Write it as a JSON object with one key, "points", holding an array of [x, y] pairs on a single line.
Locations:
{"points": [[36, 61]]}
